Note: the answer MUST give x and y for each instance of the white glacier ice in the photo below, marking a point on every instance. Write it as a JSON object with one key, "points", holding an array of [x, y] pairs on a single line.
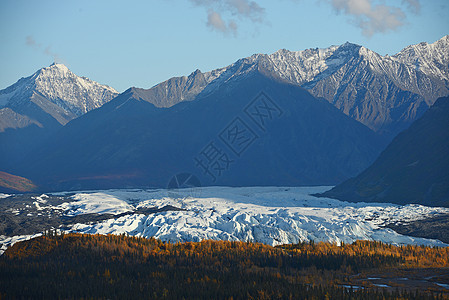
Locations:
{"points": [[270, 215]]}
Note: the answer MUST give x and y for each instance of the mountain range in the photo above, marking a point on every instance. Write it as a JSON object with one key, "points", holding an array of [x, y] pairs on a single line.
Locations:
{"points": [[386, 93], [312, 117]]}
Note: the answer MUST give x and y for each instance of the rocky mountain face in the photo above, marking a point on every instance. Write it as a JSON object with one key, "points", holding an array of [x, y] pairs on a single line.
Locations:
{"points": [[51, 95], [386, 93], [414, 168], [174, 90]]}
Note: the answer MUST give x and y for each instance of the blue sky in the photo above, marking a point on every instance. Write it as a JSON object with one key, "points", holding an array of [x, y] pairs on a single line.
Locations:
{"points": [[141, 43]]}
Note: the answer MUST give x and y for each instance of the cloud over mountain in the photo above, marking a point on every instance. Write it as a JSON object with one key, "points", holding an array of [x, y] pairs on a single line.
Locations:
{"points": [[223, 15], [371, 16], [31, 42]]}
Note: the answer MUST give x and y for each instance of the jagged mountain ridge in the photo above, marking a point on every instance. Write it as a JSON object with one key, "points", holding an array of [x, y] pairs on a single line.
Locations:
{"points": [[431, 59], [386, 93], [54, 93]]}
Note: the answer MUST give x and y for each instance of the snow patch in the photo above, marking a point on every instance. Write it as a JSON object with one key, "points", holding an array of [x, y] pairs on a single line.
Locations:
{"points": [[99, 203]]}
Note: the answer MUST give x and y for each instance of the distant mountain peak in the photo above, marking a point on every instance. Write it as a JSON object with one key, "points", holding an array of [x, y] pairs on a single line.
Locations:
{"points": [[58, 92], [58, 65], [430, 59], [350, 45], [444, 39], [54, 70], [62, 87]]}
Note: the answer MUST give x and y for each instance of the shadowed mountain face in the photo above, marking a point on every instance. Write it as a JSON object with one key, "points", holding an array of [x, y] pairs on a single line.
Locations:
{"points": [[414, 168], [229, 137]]}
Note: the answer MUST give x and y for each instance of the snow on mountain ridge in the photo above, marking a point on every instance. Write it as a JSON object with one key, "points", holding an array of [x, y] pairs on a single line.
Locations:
{"points": [[385, 93], [311, 65], [431, 59], [295, 66], [75, 94]]}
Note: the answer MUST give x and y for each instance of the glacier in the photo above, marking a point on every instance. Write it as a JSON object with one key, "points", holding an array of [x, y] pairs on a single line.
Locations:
{"points": [[269, 215]]}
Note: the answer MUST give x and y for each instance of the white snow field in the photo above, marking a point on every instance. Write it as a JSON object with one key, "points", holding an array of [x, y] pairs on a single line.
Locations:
{"points": [[269, 215], [99, 203]]}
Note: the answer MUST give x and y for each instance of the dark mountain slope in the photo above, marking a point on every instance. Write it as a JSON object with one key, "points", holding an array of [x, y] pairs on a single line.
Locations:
{"points": [[414, 168], [130, 142]]}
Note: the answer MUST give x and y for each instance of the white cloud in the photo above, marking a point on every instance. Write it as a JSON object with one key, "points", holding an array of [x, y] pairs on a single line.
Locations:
{"points": [[30, 41], [373, 17], [246, 9], [413, 5], [223, 15], [216, 22]]}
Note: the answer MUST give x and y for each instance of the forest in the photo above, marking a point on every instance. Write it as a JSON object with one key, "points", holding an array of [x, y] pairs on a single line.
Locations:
{"points": [[77, 266]]}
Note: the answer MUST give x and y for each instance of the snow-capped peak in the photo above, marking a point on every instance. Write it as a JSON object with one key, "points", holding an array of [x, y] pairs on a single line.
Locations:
{"points": [[308, 66], [56, 65], [431, 59], [298, 67], [76, 95], [55, 70]]}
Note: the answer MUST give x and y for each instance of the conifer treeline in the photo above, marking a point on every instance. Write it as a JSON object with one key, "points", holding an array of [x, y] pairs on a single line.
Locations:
{"points": [[84, 266]]}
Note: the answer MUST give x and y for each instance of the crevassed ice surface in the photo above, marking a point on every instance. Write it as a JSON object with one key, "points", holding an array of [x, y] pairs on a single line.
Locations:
{"points": [[270, 215]]}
